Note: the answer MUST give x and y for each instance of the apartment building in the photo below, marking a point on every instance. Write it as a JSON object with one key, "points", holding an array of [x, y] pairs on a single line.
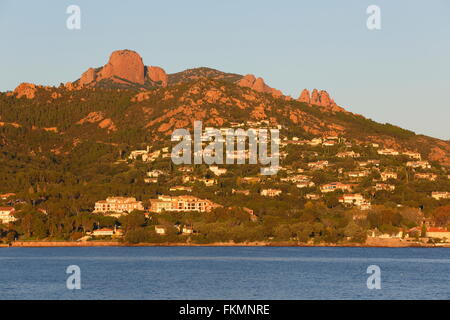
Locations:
{"points": [[181, 204], [118, 205]]}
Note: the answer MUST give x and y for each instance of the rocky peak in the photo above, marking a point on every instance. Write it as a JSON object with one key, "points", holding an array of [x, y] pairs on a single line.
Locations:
{"points": [[157, 74], [124, 67], [305, 96], [319, 98], [124, 64], [258, 84], [25, 89]]}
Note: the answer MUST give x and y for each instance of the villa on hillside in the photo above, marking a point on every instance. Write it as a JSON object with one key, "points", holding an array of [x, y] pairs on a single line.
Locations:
{"points": [[181, 188], [346, 154], [333, 186], [244, 192], [107, 232], [426, 176], [296, 178], [139, 153], [386, 175], [151, 180], [440, 195], [161, 230], [355, 199], [154, 173], [384, 186], [206, 181], [217, 171], [413, 155], [418, 164], [357, 174], [329, 143], [270, 192], [305, 184], [181, 204], [388, 152], [118, 205], [7, 215], [312, 196], [318, 164], [315, 141]]}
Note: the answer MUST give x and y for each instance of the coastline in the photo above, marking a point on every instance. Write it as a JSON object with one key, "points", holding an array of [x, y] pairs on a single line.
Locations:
{"points": [[372, 243]]}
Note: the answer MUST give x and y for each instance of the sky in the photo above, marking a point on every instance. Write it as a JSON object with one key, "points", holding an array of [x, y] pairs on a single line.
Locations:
{"points": [[399, 74]]}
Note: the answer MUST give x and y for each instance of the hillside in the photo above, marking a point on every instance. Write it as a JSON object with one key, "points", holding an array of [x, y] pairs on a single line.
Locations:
{"points": [[63, 149], [132, 117]]}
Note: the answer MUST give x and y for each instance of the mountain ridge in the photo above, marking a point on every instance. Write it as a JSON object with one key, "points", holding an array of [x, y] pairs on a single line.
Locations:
{"points": [[168, 101]]}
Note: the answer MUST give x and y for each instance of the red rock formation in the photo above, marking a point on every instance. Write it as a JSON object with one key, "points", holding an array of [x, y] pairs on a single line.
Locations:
{"points": [[315, 97], [319, 98], [125, 64], [87, 77], [324, 98], [258, 84], [157, 74], [25, 89], [304, 96], [247, 81]]}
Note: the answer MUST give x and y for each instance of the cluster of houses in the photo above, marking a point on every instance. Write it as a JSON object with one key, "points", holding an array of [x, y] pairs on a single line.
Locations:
{"points": [[117, 206], [347, 181], [350, 181]]}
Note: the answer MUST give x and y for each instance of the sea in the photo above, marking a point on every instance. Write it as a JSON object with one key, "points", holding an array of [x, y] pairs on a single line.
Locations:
{"points": [[230, 273]]}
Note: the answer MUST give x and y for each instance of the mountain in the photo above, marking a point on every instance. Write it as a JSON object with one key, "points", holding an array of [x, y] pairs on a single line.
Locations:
{"points": [[126, 103], [63, 149]]}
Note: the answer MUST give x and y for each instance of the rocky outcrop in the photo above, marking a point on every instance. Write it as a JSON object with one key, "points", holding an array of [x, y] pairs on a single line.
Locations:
{"points": [[157, 75], [123, 67], [87, 77], [258, 84], [319, 98], [305, 96], [25, 89], [124, 64]]}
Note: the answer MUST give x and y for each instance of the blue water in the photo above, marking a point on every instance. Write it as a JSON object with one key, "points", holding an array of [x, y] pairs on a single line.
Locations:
{"points": [[224, 273]]}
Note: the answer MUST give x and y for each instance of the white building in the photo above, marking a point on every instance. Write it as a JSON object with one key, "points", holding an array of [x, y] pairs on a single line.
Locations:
{"points": [[118, 205], [270, 192], [7, 215], [217, 171], [440, 195]]}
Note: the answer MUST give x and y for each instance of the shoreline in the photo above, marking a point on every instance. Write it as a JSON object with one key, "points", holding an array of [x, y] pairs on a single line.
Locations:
{"points": [[378, 243]]}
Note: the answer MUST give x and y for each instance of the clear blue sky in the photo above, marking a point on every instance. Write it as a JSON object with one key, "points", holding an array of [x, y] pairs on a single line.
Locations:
{"points": [[399, 74]]}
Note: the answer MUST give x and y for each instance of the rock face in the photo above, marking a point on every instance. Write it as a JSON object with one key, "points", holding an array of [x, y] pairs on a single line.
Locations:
{"points": [[124, 67], [258, 84], [305, 96], [157, 74], [319, 98], [87, 77], [124, 64], [25, 89]]}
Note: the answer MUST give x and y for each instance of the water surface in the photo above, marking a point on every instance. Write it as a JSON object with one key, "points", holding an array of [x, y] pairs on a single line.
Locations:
{"points": [[224, 273]]}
